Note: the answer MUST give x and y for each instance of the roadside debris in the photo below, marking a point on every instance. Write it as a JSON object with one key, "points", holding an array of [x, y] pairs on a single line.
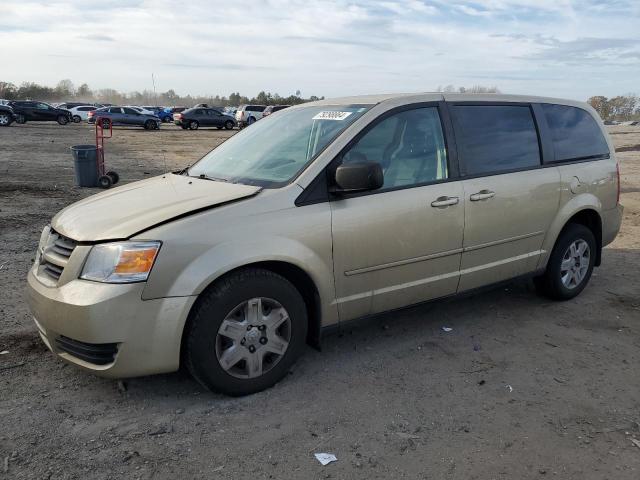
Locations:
{"points": [[4, 352], [447, 329], [635, 442], [510, 388], [325, 458]]}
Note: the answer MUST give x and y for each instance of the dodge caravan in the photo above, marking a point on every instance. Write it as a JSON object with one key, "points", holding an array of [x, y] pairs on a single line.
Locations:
{"points": [[327, 212]]}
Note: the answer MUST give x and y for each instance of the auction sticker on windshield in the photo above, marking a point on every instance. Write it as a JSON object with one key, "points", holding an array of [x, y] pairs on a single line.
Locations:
{"points": [[332, 115]]}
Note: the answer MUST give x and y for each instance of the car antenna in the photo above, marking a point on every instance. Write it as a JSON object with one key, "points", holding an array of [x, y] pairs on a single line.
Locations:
{"points": [[162, 150]]}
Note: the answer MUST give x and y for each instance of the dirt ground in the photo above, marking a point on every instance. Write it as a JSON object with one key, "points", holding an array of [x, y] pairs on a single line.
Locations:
{"points": [[521, 388]]}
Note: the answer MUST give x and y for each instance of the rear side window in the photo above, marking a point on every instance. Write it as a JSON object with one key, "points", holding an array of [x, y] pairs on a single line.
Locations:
{"points": [[495, 138], [575, 133]]}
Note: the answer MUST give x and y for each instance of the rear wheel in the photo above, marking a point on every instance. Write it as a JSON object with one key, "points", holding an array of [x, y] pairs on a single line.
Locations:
{"points": [[228, 125], [77, 119], [63, 119], [245, 332], [5, 119], [105, 181], [193, 125], [570, 264]]}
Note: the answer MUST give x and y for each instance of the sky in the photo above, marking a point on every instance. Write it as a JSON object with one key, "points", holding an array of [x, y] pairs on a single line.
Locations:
{"points": [[562, 48]]}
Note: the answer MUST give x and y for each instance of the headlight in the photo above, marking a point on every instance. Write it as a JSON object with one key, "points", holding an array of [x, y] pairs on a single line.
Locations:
{"points": [[120, 262]]}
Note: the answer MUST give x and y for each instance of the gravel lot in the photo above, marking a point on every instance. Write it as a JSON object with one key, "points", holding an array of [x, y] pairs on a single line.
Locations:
{"points": [[520, 388]]}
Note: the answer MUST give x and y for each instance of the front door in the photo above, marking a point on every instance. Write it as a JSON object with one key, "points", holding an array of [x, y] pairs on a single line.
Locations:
{"points": [[402, 244], [510, 200]]}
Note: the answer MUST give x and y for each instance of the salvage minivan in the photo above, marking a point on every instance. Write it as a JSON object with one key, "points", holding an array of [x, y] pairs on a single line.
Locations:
{"points": [[327, 212]]}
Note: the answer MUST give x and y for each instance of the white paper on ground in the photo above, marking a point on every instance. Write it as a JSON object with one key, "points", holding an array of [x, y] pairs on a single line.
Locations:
{"points": [[326, 458]]}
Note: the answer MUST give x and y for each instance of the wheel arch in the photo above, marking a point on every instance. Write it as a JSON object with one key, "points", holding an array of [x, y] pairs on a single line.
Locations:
{"points": [[585, 213]]}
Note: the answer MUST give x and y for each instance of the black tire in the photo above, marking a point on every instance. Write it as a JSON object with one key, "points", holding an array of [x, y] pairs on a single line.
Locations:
{"points": [[193, 125], [550, 283], [228, 125], [63, 119], [5, 119], [114, 176], [76, 119], [211, 309], [21, 119], [148, 125], [105, 181]]}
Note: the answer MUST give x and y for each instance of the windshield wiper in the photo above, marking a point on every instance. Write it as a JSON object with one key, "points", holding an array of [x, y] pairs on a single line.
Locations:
{"points": [[215, 179]]}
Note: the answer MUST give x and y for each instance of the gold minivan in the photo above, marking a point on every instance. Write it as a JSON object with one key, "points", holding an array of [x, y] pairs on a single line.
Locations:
{"points": [[320, 214]]}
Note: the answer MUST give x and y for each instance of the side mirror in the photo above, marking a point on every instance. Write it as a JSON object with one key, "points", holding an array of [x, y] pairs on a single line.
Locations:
{"points": [[359, 177]]}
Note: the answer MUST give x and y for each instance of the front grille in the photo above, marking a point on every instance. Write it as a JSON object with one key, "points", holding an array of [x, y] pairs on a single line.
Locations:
{"points": [[96, 353], [55, 254]]}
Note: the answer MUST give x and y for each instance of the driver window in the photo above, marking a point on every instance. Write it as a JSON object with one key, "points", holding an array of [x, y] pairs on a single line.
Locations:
{"points": [[130, 111], [409, 146]]}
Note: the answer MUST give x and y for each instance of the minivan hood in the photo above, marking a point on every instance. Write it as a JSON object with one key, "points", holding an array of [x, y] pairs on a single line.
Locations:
{"points": [[127, 210]]}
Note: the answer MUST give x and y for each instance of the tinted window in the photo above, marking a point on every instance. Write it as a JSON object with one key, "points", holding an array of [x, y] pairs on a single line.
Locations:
{"points": [[130, 111], [495, 138], [575, 133], [408, 145], [199, 112], [115, 110]]}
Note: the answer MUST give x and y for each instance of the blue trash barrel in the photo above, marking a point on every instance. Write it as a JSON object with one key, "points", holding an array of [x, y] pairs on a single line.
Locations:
{"points": [[85, 165]]}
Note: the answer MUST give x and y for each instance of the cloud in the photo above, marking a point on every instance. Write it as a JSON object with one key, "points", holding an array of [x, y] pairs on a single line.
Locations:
{"points": [[327, 47]]}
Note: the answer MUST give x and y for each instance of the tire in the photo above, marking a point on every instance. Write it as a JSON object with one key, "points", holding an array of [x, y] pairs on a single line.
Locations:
{"points": [[63, 120], [559, 283], [228, 125], [77, 119], [5, 119], [228, 302], [114, 177], [105, 181], [149, 125], [193, 125], [251, 121], [21, 119]]}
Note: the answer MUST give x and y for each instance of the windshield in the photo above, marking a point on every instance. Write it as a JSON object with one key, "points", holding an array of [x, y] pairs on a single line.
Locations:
{"points": [[274, 150]]}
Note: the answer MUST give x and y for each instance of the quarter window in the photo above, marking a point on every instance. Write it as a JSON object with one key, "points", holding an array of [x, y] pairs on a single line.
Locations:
{"points": [[409, 146], [495, 138], [575, 133]]}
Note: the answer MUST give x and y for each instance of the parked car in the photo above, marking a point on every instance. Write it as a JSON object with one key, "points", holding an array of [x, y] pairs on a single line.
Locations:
{"points": [[163, 113], [141, 109], [272, 109], [27, 110], [203, 117], [177, 109], [328, 212], [70, 105], [249, 114], [125, 116], [6, 116], [81, 112]]}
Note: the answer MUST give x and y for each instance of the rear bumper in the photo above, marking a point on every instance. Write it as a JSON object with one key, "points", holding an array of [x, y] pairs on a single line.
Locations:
{"points": [[611, 222], [108, 329]]}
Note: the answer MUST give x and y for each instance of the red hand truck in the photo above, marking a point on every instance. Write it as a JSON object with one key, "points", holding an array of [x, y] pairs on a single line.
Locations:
{"points": [[105, 178]]}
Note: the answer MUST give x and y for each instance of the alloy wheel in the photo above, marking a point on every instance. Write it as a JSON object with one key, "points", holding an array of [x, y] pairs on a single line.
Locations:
{"points": [[575, 264], [253, 338]]}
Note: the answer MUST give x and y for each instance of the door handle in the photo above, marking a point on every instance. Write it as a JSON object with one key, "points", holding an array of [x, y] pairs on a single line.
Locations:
{"points": [[482, 195], [444, 201]]}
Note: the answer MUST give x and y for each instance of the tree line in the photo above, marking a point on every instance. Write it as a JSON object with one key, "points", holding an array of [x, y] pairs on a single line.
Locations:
{"points": [[66, 91], [622, 107]]}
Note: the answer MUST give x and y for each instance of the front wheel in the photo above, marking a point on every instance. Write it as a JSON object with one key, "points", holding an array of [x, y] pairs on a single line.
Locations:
{"points": [[245, 332], [228, 125], [63, 120], [5, 119], [570, 264]]}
